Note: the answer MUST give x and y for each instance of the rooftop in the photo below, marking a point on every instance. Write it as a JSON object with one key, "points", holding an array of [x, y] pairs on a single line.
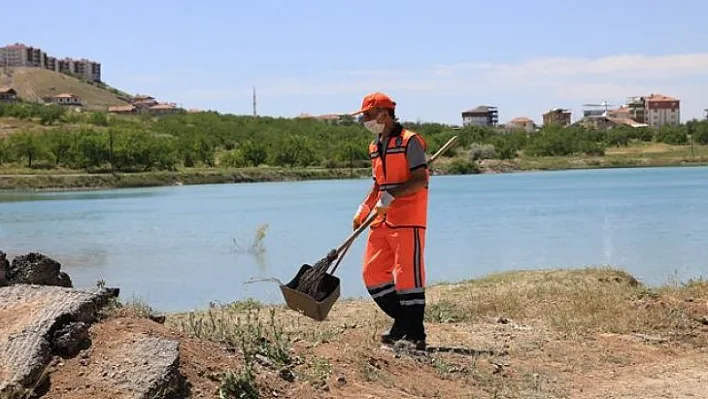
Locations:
{"points": [[660, 97], [480, 109], [521, 119]]}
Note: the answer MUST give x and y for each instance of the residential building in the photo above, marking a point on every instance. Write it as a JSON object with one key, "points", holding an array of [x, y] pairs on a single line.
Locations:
{"points": [[163, 109], [483, 115], [8, 94], [558, 116], [64, 99], [662, 110], [331, 119], [122, 109], [637, 108], [608, 122], [522, 123], [51, 63], [83, 68], [142, 102], [20, 55]]}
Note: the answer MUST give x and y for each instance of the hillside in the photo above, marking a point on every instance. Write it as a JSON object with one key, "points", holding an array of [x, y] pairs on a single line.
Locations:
{"points": [[32, 84]]}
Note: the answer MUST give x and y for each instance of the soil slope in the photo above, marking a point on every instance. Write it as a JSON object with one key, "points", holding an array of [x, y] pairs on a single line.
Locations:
{"points": [[586, 333]]}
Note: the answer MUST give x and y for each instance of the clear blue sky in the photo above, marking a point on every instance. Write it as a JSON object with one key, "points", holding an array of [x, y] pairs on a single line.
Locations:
{"points": [[435, 58]]}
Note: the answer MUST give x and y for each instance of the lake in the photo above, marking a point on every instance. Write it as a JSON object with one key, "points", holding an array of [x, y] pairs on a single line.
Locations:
{"points": [[180, 247]]}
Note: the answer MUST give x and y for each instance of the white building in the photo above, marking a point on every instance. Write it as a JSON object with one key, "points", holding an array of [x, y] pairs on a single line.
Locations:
{"points": [[662, 110], [484, 115]]}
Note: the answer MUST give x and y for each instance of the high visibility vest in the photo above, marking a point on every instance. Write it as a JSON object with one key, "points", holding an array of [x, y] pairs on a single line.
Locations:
{"points": [[390, 169]]}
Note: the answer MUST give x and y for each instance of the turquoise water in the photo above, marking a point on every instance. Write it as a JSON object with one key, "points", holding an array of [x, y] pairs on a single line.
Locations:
{"points": [[176, 247]]}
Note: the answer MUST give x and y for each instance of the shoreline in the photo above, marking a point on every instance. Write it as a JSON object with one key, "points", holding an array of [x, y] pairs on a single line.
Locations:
{"points": [[77, 181]]}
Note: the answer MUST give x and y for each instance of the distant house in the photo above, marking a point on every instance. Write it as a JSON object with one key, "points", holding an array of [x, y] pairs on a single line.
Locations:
{"points": [[484, 115], [8, 94], [522, 123], [557, 116], [143, 102], [122, 109], [163, 109], [64, 99], [328, 118]]}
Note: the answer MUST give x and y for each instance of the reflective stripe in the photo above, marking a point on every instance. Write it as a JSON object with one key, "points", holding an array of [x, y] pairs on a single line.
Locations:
{"points": [[416, 258], [387, 291], [373, 155], [418, 290], [395, 150], [379, 286], [412, 302]]}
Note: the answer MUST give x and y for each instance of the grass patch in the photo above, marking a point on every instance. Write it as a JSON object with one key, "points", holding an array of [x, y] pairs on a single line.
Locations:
{"points": [[576, 302]]}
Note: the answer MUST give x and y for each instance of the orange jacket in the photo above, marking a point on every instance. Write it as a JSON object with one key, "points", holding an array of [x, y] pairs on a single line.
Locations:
{"points": [[391, 170]]}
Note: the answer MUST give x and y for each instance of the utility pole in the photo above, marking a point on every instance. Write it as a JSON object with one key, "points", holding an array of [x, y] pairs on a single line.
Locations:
{"points": [[254, 101]]}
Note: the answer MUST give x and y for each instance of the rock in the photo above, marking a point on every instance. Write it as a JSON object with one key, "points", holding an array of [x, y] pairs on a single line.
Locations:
{"points": [[35, 268], [68, 340], [139, 366], [704, 320], [4, 267], [30, 317]]}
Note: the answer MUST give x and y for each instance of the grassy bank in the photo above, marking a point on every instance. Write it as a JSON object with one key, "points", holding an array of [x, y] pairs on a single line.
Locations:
{"points": [[19, 179], [636, 155], [530, 334]]}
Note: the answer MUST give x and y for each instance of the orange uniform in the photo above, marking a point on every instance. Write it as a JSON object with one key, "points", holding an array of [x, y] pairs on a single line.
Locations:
{"points": [[394, 266]]}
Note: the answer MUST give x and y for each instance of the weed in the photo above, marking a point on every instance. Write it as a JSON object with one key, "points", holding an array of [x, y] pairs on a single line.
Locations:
{"points": [[236, 327], [318, 372]]}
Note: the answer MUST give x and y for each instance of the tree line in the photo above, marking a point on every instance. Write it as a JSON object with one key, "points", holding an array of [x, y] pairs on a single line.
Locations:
{"points": [[100, 142]]}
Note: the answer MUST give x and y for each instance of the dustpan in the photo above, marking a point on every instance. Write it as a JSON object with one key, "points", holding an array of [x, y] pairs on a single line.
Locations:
{"points": [[318, 310], [306, 304]]}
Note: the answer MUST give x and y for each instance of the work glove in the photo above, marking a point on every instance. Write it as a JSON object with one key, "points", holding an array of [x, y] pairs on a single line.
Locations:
{"points": [[384, 203], [361, 214]]}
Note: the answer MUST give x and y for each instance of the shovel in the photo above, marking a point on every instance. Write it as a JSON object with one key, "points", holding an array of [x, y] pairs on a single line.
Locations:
{"points": [[318, 309]]}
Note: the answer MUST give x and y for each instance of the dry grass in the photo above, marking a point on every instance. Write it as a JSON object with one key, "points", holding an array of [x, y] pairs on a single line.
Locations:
{"points": [[536, 332], [34, 83], [575, 302]]}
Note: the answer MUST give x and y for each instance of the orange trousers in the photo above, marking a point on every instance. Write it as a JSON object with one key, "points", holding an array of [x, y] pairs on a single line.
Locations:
{"points": [[394, 262]]}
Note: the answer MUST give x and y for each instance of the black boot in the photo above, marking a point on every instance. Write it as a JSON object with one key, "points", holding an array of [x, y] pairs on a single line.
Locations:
{"points": [[390, 304], [413, 313]]}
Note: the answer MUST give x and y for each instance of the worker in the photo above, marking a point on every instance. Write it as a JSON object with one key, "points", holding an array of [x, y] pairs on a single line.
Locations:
{"points": [[394, 267]]}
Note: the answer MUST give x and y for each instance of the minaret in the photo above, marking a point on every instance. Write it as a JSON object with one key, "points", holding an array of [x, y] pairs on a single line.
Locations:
{"points": [[254, 101]]}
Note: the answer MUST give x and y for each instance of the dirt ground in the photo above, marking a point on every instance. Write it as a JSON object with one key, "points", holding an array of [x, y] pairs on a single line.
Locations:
{"points": [[537, 344], [524, 362]]}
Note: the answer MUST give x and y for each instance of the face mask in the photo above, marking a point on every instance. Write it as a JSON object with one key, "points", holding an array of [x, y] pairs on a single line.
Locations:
{"points": [[374, 127]]}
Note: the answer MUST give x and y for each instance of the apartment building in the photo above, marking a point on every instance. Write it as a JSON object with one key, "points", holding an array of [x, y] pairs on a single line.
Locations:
{"points": [[662, 110], [558, 116], [20, 55], [483, 115]]}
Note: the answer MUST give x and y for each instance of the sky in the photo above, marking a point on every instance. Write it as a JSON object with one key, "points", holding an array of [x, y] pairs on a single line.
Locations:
{"points": [[436, 59]]}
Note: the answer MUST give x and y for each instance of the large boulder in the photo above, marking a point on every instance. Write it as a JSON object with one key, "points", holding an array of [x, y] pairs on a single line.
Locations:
{"points": [[4, 266], [35, 268]]}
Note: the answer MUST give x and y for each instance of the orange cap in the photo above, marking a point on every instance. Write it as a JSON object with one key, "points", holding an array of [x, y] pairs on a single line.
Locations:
{"points": [[375, 100]]}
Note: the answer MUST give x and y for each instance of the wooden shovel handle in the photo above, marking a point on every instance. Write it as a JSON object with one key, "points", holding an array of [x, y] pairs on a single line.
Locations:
{"points": [[373, 215]]}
